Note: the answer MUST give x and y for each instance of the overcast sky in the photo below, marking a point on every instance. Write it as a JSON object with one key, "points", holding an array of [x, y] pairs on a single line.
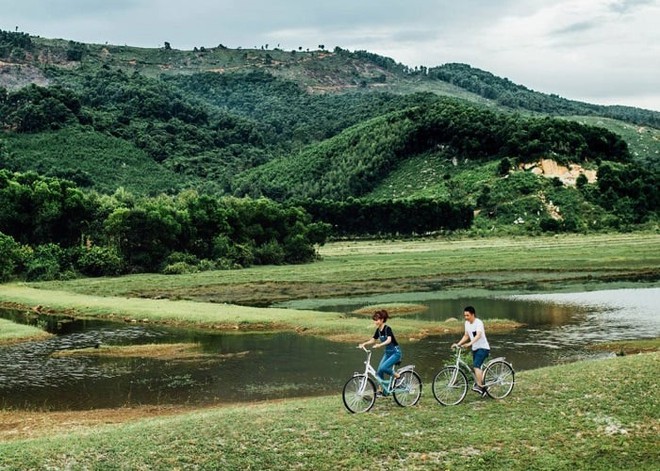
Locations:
{"points": [[599, 51]]}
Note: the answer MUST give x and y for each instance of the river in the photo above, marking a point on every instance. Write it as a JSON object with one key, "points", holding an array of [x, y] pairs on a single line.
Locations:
{"points": [[251, 367]]}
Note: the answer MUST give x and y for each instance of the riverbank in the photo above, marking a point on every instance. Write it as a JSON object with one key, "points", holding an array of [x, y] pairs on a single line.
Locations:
{"points": [[347, 269], [11, 332], [334, 326], [559, 418]]}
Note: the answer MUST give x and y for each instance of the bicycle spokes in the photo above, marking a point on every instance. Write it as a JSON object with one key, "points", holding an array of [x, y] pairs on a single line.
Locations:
{"points": [[499, 378]]}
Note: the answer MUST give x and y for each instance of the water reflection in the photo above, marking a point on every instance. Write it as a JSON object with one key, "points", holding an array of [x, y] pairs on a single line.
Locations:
{"points": [[246, 367], [530, 312]]}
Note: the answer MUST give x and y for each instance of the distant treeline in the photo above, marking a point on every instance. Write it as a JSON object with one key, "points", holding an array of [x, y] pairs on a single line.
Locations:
{"points": [[51, 229], [355, 217]]}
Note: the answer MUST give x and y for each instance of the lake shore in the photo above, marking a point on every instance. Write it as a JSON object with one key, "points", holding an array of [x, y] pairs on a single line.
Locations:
{"points": [[561, 417], [10, 332]]}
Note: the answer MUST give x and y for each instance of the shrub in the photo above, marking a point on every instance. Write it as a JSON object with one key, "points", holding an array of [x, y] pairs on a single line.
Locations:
{"points": [[181, 257], [46, 263], [99, 261], [270, 253], [207, 265], [179, 268], [11, 257]]}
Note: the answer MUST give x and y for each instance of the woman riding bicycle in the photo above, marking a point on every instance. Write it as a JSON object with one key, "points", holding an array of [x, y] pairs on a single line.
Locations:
{"points": [[384, 337]]}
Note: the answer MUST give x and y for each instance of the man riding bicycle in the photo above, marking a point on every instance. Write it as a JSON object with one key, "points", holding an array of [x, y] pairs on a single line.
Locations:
{"points": [[475, 337]]}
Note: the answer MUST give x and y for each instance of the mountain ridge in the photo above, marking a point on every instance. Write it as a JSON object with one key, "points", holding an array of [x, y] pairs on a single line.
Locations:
{"points": [[359, 69]]}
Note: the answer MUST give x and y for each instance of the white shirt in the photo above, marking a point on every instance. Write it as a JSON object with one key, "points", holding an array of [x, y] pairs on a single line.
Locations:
{"points": [[472, 329]]}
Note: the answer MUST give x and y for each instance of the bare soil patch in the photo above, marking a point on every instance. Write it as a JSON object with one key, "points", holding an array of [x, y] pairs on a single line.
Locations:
{"points": [[20, 424], [166, 351]]}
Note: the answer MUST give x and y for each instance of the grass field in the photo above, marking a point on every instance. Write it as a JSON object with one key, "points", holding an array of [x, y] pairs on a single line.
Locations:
{"points": [[11, 332], [368, 267], [596, 415]]}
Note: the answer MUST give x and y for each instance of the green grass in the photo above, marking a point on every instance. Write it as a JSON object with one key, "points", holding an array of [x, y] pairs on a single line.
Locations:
{"points": [[208, 299], [597, 415], [359, 267], [11, 332]]}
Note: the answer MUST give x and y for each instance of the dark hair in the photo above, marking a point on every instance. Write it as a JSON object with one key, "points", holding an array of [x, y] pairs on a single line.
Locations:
{"points": [[382, 314], [470, 309]]}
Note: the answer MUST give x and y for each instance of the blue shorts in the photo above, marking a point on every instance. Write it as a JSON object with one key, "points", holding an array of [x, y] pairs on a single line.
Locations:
{"points": [[479, 356]]}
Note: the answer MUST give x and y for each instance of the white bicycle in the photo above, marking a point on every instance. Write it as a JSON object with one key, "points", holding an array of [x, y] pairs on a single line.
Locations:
{"points": [[360, 391], [450, 384]]}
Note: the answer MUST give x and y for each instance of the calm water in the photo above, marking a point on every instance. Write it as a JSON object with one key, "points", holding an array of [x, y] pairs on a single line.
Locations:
{"points": [[247, 367]]}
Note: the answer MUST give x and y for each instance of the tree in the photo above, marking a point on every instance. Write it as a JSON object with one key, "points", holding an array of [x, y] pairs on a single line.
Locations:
{"points": [[12, 256]]}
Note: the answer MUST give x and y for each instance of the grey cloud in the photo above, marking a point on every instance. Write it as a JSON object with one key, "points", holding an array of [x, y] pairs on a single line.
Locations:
{"points": [[624, 6], [575, 28]]}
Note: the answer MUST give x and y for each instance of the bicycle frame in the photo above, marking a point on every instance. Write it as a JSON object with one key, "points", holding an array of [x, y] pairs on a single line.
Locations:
{"points": [[462, 365], [451, 383]]}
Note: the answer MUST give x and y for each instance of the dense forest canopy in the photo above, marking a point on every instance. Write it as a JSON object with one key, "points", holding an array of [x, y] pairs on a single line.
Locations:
{"points": [[354, 162], [117, 159]]}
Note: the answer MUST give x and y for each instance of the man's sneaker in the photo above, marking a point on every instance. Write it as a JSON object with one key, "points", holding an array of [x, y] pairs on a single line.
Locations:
{"points": [[484, 391], [476, 388]]}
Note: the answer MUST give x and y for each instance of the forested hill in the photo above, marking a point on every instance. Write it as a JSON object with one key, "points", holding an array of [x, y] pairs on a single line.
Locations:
{"points": [[319, 128], [509, 94], [27, 59]]}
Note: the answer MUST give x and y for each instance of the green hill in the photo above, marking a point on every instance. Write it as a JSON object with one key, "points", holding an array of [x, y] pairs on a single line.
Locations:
{"points": [[298, 125], [97, 160]]}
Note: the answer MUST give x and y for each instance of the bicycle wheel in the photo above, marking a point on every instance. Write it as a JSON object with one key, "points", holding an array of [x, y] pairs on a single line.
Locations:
{"points": [[359, 394], [450, 386], [499, 379], [408, 389]]}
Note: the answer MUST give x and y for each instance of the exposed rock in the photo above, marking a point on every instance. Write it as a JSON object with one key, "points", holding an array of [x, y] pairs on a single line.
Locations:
{"points": [[549, 168]]}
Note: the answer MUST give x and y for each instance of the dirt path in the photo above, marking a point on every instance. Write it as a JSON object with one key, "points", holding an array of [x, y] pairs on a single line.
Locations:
{"points": [[18, 425]]}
